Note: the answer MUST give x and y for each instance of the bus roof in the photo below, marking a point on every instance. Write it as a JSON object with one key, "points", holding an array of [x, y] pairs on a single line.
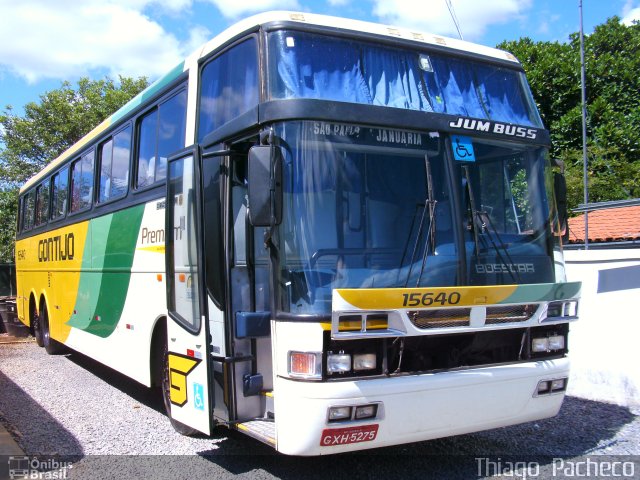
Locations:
{"points": [[252, 23]]}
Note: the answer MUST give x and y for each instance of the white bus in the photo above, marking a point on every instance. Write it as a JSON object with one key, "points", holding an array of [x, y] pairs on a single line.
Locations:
{"points": [[330, 235]]}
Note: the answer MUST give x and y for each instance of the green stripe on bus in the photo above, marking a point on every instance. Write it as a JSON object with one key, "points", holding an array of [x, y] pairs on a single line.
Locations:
{"points": [[544, 292], [103, 291], [90, 280], [148, 93]]}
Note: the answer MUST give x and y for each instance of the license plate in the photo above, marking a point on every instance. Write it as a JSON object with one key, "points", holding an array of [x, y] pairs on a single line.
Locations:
{"points": [[343, 436]]}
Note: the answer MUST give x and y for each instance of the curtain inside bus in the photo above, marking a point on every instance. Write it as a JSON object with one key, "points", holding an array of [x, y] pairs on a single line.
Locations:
{"points": [[306, 65]]}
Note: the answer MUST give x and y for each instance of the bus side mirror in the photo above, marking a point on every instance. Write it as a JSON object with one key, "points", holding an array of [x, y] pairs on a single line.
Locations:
{"points": [[265, 185], [560, 191]]}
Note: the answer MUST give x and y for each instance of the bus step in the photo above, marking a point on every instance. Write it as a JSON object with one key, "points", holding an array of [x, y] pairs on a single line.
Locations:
{"points": [[263, 430], [268, 403]]}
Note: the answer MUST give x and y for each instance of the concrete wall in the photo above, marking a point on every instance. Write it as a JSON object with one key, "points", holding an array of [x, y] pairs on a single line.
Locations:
{"points": [[605, 343]]}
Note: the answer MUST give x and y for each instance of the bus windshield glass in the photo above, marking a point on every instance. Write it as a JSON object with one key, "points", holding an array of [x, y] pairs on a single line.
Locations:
{"points": [[363, 207], [507, 216], [368, 207], [305, 65]]}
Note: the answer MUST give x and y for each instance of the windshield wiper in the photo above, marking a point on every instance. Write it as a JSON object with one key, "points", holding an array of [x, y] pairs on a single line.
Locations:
{"points": [[430, 241], [480, 221]]}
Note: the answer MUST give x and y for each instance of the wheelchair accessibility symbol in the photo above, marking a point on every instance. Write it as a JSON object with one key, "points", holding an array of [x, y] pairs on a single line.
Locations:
{"points": [[198, 396], [462, 148]]}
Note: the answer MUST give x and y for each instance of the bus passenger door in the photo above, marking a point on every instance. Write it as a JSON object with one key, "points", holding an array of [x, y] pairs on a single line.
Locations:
{"points": [[187, 326]]}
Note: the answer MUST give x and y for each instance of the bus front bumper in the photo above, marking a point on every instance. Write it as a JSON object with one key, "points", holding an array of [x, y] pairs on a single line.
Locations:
{"points": [[413, 408]]}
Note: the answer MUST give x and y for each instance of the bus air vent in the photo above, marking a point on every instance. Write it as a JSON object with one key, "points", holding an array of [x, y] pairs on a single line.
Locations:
{"points": [[510, 313], [440, 318]]}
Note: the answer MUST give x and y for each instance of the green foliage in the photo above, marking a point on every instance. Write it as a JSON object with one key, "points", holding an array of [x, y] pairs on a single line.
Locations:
{"points": [[8, 208], [612, 59], [47, 128], [61, 118]]}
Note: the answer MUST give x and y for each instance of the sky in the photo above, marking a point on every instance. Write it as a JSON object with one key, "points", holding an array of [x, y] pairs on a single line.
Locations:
{"points": [[46, 42]]}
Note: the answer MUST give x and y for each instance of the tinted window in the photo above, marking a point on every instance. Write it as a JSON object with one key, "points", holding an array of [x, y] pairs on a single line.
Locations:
{"points": [[82, 182], [171, 131], [42, 203], [29, 210], [59, 193], [183, 272], [114, 165], [106, 155], [162, 132], [229, 87], [147, 149]]}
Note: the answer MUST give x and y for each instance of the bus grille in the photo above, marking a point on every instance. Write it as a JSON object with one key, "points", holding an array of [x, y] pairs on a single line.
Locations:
{"points": [[441, 318], [510, 314]]}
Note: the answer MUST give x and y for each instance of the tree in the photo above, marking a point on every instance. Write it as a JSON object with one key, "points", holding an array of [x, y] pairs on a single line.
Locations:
{"points": [[612, 57], [47, 128], [8, 209]]}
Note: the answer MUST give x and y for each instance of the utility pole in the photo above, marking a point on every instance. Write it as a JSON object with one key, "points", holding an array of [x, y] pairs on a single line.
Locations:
{"points": [[585, 176]]}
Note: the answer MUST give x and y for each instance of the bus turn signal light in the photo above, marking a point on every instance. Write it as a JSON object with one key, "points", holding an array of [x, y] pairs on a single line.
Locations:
{"points": [[305, 365]]}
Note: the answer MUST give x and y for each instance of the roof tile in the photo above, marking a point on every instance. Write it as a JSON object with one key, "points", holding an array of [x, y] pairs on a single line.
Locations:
{"points": [[608, 225]]}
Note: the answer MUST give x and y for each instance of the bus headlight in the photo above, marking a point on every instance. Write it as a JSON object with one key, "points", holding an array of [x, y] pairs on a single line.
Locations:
{"points": [[540, 345], [337, 414], [338, 362], [548, 344], [364, 361], [551, 386], [366, 411]]}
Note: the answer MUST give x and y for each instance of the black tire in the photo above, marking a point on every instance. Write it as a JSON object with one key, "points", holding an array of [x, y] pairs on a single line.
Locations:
{"points": [[52, 346], [179, 427], [36, 325]]}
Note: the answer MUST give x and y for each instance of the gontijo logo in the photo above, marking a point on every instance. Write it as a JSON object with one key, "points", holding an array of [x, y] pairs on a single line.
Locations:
{"points": [[54, 249]]}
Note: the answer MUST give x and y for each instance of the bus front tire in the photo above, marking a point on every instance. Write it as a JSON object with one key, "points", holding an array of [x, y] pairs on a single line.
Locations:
{"points": [[179, 427]]}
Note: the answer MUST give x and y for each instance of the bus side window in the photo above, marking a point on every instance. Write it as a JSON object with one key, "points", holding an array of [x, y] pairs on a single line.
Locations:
{"points": [[42, 203], [29, 211], [19, 226], [229, 86], [114, 165], [82, 182], [59, 193], [161, 132]]}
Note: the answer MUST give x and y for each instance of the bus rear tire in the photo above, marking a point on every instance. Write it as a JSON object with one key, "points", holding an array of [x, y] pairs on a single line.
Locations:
{"points": [[179, 427], [36, 325], [52, 346]]}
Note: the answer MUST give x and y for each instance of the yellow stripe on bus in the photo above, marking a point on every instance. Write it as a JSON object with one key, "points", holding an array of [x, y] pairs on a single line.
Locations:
{"points": [[50, 264], [437, 297], [153, 248]]}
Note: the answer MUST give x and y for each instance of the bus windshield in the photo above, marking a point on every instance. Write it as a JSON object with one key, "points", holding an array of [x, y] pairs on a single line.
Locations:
{"points": [[373, 208], [507, 216]]}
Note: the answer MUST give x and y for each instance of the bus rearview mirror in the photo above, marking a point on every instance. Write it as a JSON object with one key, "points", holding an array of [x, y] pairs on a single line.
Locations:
{"points": [[560, 191], [265, 185]]}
